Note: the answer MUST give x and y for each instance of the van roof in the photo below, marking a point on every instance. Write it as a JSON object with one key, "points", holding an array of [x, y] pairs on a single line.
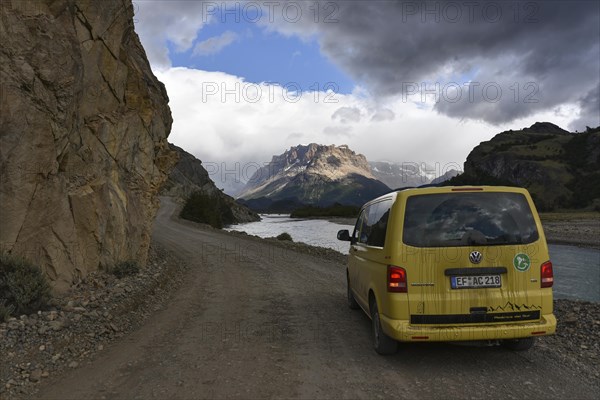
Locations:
{"points": [[450, 189], [466, 188]]}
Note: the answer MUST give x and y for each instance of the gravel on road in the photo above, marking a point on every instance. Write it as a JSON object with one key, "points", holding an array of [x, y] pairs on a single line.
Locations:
{"points": [[98, 310]]}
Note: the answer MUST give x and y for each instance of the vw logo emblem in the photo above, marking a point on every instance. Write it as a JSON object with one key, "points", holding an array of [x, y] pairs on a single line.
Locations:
{"points": [[475, 257]]}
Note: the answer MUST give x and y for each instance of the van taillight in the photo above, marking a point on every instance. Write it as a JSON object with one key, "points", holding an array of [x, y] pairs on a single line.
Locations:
{"points": [[547, 274], [396, 279]]}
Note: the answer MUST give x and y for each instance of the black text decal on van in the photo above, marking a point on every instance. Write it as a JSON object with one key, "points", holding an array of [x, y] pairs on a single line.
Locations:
{"points": [[514, 307]]}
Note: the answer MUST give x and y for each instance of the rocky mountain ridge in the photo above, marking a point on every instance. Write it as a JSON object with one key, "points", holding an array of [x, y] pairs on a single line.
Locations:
{"points": [[315, 174], [561, 169], [407, 174]]}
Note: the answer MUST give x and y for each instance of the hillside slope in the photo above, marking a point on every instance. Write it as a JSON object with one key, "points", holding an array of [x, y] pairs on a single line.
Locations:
{"points": [[189, 176], [559, 168]]}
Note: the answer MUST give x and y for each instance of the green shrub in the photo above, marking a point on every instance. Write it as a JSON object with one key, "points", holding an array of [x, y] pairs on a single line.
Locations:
{"points": [[23, 287], [125, 268], [478, 178], [207, 209], [284, 236]]}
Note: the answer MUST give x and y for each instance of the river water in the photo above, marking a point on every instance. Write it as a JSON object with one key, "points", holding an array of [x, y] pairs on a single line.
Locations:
{"points": [[576, 270]]}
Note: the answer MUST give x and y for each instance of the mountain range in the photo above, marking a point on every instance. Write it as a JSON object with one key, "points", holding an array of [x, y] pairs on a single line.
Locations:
{"points": [[409, 174], [561, 169], [312, 174]]}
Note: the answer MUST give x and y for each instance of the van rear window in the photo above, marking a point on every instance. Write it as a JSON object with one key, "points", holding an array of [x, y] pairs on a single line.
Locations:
{"points": [[466, 219]]}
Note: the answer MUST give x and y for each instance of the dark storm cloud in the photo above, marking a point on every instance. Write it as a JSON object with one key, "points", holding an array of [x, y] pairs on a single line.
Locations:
{"points": [[590, 111], [539, 54]]}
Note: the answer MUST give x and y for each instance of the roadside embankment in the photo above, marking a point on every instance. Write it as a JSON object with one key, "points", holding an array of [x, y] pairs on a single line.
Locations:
{"points": [[97, 311]]}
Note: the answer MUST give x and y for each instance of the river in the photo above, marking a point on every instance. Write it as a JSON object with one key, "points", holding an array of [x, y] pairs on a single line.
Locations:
{"points": [[576, 269]]}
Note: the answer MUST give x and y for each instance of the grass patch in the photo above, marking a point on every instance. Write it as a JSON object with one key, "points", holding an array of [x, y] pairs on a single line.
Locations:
{"points": [[23, 287], [125, 268], [6, 310]]}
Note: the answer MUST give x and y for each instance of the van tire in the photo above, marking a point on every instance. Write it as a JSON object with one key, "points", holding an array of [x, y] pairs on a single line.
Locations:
{"points": [[382, 343], [519, 344], [352, 304]]}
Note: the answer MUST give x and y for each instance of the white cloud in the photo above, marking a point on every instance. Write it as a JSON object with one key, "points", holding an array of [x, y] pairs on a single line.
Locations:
{"points": [[339, 131], [159, 23], [346, 115], [385, 114], [215, 44], [231, 124]]}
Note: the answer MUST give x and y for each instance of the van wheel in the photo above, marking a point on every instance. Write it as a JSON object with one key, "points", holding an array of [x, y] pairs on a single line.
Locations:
{"points": [[352, 304], [382, 343], [519, 344]]}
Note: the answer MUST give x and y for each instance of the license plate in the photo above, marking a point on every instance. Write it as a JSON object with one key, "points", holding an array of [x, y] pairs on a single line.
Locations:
{"points": [[475, 281]]}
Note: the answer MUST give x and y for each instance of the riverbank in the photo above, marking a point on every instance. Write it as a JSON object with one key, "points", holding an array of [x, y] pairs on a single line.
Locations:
{"points": [[577, 339], [580, 229]]}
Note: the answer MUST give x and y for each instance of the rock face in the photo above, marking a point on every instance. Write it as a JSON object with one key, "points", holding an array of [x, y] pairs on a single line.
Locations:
{"points": [[83, 136], [189, 176], [560, 169], [314, 174]]}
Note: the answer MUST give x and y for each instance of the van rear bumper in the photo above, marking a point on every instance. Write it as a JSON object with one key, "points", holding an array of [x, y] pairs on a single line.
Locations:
{"points": [[402, 330]]}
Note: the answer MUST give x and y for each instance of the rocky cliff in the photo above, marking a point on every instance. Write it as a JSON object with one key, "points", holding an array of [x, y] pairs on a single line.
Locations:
{"points": [[314, 174], [189, 176], [559, 168], [83, 136]]}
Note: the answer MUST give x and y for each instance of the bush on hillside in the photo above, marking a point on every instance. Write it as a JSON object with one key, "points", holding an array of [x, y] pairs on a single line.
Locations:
{"points": [[207, 209], [125, 268], [284, 236], [23, 287]]}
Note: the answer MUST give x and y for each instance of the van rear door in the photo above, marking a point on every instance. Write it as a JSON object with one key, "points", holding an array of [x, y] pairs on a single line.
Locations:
{"points": [[472, 257]]}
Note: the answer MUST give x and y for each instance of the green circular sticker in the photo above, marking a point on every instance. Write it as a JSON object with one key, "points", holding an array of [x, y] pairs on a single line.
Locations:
{"points": [[521, 262]]}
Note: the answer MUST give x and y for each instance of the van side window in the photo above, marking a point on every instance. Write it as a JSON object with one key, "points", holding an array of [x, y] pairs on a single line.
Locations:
{"points": [[374, 225], [358, 226]]}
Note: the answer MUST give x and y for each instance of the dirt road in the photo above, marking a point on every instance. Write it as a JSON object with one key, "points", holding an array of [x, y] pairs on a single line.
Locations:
{"points": [[257, 321]]}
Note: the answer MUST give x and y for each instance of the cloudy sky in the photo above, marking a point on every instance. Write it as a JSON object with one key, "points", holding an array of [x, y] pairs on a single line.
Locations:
{"points": [[404, 81]]}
